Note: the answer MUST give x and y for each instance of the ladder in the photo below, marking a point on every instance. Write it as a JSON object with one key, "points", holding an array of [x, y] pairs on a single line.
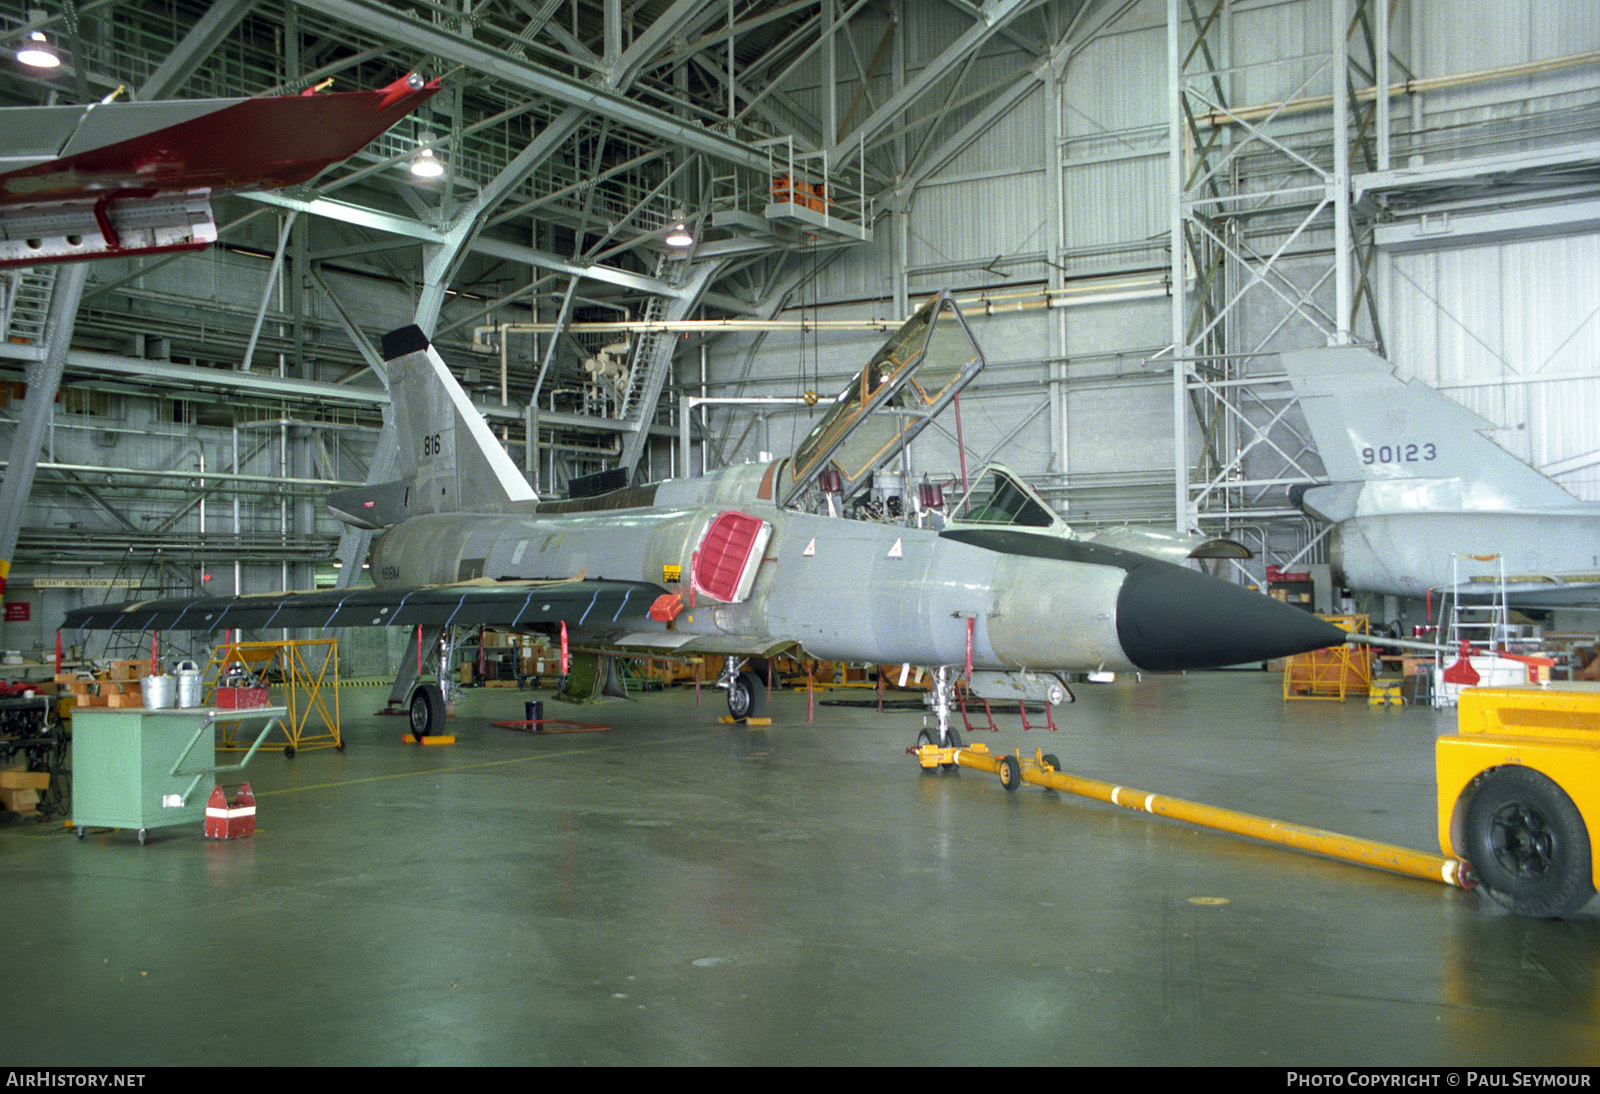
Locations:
{"points": [[1484, 625], [25, 310], [647, 359]]}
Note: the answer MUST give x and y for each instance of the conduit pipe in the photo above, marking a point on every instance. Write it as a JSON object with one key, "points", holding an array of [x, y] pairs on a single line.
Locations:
{"points": [[1413, 86]]}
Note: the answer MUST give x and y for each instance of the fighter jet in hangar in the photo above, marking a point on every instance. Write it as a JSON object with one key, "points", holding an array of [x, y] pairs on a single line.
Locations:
{"points": [[113, 179], [1421, 500], [754, 560]]}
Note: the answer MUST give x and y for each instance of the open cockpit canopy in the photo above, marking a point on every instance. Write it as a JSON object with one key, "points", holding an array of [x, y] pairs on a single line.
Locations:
{"points": [[915, 374]]}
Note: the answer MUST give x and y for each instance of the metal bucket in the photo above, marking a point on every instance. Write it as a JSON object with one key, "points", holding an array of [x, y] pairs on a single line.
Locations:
{"points": [[158, 692], [188, 676]]}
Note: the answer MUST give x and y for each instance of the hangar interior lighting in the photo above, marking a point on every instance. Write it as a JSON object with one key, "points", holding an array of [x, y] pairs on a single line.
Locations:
{"points": [[425, 165], [37, 52]]}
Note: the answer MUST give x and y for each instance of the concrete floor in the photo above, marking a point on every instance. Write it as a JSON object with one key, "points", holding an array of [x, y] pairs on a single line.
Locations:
{"points": [[676, 891]]}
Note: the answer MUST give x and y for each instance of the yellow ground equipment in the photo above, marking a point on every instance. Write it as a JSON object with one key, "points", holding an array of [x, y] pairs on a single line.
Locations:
{"points": [[1519, 793], [1334, 673], [305, 667], [1044, 770]]}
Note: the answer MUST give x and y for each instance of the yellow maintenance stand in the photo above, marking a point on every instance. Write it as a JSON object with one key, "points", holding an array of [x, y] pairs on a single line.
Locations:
{"points": [[1519, 793]]}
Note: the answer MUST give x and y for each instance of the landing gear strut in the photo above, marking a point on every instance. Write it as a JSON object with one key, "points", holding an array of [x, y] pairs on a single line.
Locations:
{"points": [[942, 699], [747, 692]]}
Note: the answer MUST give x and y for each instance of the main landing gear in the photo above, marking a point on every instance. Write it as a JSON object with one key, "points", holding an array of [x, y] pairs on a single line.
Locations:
{"points": [[426, 712]]}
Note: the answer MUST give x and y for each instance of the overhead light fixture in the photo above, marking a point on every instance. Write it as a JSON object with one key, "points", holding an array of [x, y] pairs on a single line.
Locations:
{"points": [[425, 165], [679, 236], [37, 52]]}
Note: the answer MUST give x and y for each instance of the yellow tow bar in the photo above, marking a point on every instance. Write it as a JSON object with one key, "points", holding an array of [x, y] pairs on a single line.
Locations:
{"points": [[1014, 770]]}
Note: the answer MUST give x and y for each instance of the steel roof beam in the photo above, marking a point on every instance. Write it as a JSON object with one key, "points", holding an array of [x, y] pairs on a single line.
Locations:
{"points": [[424, 233], [206, 34], [520, 73], [993, 17]]}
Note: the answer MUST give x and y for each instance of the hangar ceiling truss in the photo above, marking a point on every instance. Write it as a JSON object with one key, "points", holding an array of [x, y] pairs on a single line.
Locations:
{"points": [[576, 134]]}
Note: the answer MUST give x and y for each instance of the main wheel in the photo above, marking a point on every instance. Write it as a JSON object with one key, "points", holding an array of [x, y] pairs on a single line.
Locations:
{"points": [[1528, 844], [427, 710], [747, 696]]}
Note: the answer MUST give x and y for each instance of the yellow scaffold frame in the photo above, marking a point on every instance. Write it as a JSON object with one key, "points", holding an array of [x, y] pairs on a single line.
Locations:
{"points": [[303, 685], [1333, 673]]}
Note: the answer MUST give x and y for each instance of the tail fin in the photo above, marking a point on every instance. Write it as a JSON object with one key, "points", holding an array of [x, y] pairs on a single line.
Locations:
{"points": [[446, 451], [1392, 446]]}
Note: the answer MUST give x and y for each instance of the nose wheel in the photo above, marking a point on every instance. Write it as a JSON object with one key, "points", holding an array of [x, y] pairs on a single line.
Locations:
{"points": [[747, 692], [747, 696]]}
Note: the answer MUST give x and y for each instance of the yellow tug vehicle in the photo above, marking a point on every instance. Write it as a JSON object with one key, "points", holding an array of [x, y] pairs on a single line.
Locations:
{"points": [[1519, 793]]}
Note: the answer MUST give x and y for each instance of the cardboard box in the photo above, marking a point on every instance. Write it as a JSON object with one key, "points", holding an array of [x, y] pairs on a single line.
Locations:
{"points": [[20, 801], [24, 780]]}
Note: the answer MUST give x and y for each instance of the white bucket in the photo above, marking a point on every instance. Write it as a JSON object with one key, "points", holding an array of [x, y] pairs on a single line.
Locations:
{"points": [[158, 692], [187, 674]]}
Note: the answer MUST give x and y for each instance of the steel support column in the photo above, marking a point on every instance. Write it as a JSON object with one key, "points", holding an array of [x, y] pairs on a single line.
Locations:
{"points": [[44, 378]]}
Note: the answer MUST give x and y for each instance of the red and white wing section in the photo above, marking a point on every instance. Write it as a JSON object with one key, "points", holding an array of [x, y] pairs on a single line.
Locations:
{"points": [[113, 179]]}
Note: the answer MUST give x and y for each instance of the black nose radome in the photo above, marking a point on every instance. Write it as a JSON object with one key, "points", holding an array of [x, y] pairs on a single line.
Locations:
{"points": [[1172, 618]]}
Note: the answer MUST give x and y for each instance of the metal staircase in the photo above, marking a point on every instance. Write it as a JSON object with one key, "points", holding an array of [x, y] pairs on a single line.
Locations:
{"points": [[26, 306], [651, 362], [648, 358]]}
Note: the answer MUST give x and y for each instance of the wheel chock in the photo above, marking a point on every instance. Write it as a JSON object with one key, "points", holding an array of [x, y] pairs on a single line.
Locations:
{"points": [[441, 739], [730, 720]]}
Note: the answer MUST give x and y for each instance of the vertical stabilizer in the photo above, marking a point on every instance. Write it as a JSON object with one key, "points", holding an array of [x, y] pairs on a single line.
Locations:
{"points": [[1392, 446], [448, 454]]}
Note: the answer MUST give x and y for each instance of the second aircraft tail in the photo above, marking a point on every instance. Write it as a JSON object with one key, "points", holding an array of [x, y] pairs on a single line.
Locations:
{"points": [[1392, 446]]}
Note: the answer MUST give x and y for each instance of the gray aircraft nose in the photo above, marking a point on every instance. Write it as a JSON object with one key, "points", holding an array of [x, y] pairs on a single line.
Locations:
{"points": [[1172, 618]]}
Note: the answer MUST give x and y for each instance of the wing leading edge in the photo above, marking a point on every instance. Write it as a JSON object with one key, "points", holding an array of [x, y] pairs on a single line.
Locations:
{"points": [[498, 603]]}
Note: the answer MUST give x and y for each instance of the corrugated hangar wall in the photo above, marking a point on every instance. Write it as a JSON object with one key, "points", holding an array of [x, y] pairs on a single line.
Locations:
{"points": [[1511, 329]]}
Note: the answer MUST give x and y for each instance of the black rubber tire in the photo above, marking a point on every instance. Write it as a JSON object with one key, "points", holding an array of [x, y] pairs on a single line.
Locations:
{"points": [[952, 740], [747, 696], [1051, 762], [426, 710], [1010, 772], [288, 750], [1528, 845]]}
